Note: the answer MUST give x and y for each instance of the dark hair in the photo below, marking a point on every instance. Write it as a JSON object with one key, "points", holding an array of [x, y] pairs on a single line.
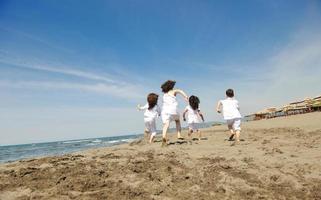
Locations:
{"points": [[194, 102], [152, 99], [230, 93], [168, 85]]}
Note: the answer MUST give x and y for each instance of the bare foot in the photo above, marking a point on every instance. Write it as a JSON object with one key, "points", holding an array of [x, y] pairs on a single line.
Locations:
{"points": [[235, 143], [164, 142]]}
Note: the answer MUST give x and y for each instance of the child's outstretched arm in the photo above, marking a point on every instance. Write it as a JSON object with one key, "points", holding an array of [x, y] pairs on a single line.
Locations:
{"points": [[139, 107], [237, 105], [184, 113], [159, 111], [219, 107], [181, 92], [201, 115]]}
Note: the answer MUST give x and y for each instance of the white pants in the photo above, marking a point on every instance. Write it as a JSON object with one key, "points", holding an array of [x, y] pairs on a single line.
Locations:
{"points": [[169, 117], [151, 127], [234, 124]]}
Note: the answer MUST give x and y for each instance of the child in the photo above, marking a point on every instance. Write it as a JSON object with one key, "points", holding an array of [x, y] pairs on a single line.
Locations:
{"points": [[193, 114], [231, 113], [152, 111], [169, 110]]}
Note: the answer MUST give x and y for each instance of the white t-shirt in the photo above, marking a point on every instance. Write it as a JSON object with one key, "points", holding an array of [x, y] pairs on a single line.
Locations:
{"points": [[230, 109], [169, 104], [152, 114], [192, 115]]}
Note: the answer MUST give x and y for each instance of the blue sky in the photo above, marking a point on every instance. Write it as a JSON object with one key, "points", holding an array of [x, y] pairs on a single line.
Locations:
{"points": [[77, 69]]}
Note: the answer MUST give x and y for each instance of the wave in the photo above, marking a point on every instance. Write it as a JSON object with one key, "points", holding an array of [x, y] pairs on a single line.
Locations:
{"points": [[91, 144], [17, 152], [127, 140], [113, 141], [96, 141], [75, 141]]}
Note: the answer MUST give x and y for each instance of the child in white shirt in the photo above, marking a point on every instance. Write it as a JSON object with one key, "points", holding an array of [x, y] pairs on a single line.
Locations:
{"points": [[229, 107], [170, 108], [152, 111], [193, 116]]}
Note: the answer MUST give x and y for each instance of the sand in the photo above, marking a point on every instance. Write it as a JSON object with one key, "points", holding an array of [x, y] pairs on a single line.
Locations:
{"points": [[279, 159]]}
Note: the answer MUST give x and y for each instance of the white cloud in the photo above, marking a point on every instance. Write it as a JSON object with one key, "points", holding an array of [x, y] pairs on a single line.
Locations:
{"points": [[61, 70], [36, 39], [127, 92], [102, 83], [297, 69]]}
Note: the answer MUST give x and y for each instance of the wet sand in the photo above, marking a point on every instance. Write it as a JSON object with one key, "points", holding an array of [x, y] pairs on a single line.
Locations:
{"points": [[278, 159]]}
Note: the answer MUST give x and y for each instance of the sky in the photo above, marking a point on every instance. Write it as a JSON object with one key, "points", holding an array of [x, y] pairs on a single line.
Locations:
{"points": [[77, 69]]}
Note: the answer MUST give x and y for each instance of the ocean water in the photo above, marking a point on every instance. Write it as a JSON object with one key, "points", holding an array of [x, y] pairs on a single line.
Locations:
{"points": [[17, 152]]}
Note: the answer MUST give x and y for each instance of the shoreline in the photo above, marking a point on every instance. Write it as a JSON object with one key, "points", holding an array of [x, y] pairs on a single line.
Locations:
{"points": [[60, 148], [109, 140], [278, 159]]}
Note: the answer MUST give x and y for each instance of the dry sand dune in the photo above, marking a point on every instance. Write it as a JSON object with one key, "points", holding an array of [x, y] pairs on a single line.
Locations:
{"points": [[278, 159]]}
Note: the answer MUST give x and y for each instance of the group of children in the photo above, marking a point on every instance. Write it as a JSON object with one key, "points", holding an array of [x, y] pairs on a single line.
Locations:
{"points": [[169, 112]]}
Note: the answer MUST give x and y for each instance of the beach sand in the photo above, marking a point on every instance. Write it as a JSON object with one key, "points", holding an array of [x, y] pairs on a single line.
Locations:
{"points": [[279, 159]]}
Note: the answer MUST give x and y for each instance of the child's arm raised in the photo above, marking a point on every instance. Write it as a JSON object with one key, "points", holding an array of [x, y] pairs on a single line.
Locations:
{"points": [[219, 107], [181, 92]]}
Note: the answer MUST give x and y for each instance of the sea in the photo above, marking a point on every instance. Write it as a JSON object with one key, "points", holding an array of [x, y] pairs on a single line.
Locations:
{"points": [[26, 151]]}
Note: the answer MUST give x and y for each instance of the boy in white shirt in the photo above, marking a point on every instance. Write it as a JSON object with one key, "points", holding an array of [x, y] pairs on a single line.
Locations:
{"points": [[229, 107], [152, 111]]}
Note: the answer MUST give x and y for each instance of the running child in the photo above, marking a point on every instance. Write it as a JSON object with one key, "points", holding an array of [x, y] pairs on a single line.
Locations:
{"points": [[152, 111], [193, 116], [229, 107], [170, 108]]}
